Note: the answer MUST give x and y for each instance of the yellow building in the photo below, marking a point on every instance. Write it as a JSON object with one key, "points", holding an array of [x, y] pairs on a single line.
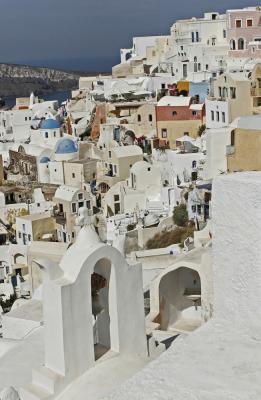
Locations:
{"points": [[243, 153]]}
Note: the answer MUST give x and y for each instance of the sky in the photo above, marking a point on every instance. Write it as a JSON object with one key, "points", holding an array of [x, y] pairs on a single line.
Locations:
{"points": [[87, 35]]}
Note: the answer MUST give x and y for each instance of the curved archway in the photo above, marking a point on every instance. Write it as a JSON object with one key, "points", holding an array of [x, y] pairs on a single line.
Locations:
{"points": [[241, 44], [101, 307], [103, 187], [180, 300]]}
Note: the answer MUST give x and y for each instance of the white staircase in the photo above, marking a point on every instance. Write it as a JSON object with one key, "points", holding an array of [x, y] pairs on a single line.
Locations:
{"points": [[45, 383]]}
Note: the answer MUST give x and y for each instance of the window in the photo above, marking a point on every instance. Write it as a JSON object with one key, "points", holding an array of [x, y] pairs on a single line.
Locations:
{"points": [[192, 37], [74, 207], [117, 208], [195, 64], [241, 44], [212, 116], [25, 119], [23, 227], [163, 86], [194, 113], [38, 204], [46, 135], [207, 67], [19, 235], [150, 118], [109, 154], [116, 197], [80, 196], [54, 134], [199, 67], [249, 23], [197, 37], [73, 175], [232, 44], [81, 204], [115, 169], [73, 235], [29, 238], [213, 41], [181, 48], [220, 91], [232, 92], [139, 118], [149, 169], [223, 117], [88, 204], [224, 33], [217, 113], [174, 113], [238, 23], [164, 133], [233, 138]]}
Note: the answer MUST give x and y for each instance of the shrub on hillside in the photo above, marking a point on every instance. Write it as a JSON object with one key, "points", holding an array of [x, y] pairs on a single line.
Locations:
{"points": [[167, 238], [180, 215]]}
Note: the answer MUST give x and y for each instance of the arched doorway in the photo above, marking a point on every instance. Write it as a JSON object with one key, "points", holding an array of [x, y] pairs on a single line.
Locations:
{"points": [[103, 187], [241, 44], [100, 287], [180, 300]]}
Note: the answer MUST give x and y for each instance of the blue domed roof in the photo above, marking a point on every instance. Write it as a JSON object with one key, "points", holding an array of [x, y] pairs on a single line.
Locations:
{"points": [[50, 124], [66, 146], [44, 160]]}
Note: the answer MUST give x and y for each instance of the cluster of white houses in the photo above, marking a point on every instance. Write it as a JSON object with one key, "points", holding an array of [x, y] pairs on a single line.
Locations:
{"points": [[96, 278]]}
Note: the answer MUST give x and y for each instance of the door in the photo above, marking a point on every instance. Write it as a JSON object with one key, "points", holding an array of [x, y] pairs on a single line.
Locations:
{"points": [[185, 70]]}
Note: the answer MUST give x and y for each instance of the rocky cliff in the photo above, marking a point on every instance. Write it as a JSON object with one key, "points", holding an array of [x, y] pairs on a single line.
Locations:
{"points": [[21, 80]]}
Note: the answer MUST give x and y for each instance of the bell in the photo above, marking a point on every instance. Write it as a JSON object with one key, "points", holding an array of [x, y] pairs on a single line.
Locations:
{"points": [[97, 306]]}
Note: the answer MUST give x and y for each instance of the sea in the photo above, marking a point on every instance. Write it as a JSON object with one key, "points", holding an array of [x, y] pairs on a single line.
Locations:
{"points": [[60, 96]]}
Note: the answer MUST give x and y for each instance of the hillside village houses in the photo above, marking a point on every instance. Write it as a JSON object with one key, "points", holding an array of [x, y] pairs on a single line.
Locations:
{"points": [[136, 185]]}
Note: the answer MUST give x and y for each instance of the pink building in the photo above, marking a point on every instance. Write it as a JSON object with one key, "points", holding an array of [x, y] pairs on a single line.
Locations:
{"points": [[244, 32]]}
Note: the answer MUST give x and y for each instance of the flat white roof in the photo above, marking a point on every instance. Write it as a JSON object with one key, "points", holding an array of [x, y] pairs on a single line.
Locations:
{"points": [[127, 151], [251, 122], [178, 101], [65, 192]]}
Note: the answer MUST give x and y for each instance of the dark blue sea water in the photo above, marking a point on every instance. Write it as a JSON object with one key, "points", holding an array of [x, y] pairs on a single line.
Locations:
{"points": [[60, 96]]}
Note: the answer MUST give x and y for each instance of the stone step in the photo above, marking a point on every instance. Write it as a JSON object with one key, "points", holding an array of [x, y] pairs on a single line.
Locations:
{"points": [[47, 379], [33, 392]]}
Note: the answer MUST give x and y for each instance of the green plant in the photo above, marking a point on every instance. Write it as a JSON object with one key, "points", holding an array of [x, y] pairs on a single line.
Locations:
{"points": [[201, 130], [180, 215]]}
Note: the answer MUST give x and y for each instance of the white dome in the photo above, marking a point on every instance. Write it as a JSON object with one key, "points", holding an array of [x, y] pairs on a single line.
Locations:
{"points": [[87, 236]]}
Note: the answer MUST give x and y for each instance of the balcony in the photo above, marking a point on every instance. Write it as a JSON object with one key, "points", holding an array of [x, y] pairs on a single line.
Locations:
{"points": [[230, 150]]}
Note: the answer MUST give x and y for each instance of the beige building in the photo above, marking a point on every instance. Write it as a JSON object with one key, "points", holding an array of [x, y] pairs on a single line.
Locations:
{"points": [[78, 172], [68, 200], [143, 122], [229, 98], [256, 89], [243, 153], [35, 227], [38, 251], [115, 158]]}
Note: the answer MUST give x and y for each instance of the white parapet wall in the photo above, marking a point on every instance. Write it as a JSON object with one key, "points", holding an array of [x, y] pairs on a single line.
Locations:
{"points": [[237, 248]]}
